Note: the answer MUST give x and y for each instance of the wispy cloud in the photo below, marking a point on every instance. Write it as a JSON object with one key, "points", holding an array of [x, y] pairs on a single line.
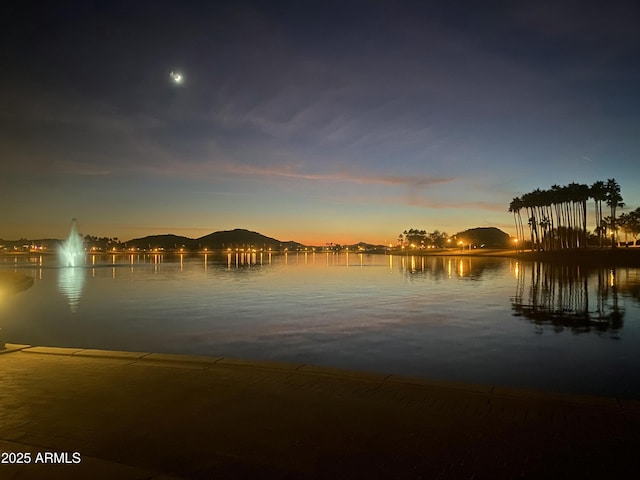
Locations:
{"points": [[349, 177], [76, 136], [447, 203]]}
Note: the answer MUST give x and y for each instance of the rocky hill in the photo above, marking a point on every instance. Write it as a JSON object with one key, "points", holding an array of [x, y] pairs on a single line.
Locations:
{"points": [[490, 237]]}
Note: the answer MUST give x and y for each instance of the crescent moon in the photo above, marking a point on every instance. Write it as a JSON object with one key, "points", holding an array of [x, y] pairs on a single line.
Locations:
{"points": [[176, 76]]}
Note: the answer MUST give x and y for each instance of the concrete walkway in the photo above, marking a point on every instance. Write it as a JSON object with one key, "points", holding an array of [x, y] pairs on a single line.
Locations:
{"points": [[125, 415]]}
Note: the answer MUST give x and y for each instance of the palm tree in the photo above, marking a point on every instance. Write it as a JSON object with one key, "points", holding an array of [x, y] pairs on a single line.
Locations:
{"points": [[557, 217], [557, 194], [514, 207], [599, 195], [583, 192], [578, 194], [566, 197], [548, 197], [614, 201], [528, 202]]}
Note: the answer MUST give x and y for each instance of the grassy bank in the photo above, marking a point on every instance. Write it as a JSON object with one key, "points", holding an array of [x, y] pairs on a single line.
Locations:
{"points": [[593, 257], [14, 282], [596, 257]]}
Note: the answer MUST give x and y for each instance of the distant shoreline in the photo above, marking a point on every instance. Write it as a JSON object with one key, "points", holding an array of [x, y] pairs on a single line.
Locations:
{"points": [[591, 257]]}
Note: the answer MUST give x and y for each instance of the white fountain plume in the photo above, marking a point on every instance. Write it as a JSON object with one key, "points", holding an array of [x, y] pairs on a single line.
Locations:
{"points": [[72, 249]]}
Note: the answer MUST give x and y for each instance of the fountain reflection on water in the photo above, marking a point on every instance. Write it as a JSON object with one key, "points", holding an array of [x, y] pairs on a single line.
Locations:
{"points": [[71, 280], [71, 284]]}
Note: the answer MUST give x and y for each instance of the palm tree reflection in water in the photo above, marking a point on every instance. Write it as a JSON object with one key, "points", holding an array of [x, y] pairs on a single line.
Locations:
{"points": [[568, 297]]}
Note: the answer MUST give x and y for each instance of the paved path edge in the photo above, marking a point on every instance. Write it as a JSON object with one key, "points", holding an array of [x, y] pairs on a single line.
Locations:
{"points": [[205, 362]]}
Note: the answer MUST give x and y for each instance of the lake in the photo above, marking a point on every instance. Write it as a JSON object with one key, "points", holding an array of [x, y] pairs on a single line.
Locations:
{"points": [[466, 319]]}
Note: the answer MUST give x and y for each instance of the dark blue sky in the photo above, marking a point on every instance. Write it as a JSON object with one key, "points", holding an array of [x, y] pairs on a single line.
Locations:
{"points": [[313, 121]]}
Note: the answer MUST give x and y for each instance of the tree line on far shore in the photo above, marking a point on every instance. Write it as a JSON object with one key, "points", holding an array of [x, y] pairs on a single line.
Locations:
{"points": [[422, 238], [557, 217]]}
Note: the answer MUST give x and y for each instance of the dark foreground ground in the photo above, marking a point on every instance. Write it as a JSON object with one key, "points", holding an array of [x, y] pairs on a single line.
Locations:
{"points": [[125, 415]]}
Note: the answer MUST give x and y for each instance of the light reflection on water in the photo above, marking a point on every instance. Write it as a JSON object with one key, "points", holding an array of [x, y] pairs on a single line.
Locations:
{"points": [[462, 318], [568, 297]]}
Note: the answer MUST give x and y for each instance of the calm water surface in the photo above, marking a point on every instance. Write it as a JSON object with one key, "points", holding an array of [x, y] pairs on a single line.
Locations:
{"points": [[481, 320]]}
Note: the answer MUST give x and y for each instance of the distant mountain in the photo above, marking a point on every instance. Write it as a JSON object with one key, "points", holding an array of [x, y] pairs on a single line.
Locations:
{"points": [[238, 238], [368, 247], [488, 236], [167, 242]]}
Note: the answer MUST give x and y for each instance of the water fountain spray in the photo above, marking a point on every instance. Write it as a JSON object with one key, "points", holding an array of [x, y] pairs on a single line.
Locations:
{"points": [[72, 249]]}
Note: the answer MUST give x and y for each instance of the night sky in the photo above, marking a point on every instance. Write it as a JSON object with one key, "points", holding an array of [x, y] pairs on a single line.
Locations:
{"points": [[314, 121]]}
